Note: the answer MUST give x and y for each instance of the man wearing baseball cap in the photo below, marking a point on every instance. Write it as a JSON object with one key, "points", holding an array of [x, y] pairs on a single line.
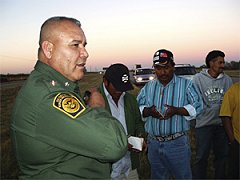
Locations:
{"points": [[167, 104], [123, 106]]}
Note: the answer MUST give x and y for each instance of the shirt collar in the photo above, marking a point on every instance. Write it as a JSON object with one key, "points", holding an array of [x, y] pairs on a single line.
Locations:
{"points": [[218, 77]]}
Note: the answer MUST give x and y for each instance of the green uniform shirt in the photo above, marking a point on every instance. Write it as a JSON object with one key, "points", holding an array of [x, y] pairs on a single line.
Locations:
{"points": [[56, 136]]}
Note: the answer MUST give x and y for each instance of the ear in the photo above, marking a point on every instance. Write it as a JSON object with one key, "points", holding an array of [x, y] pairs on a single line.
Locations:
{"points": [[47, 48], [106, 82], [211, 63]]}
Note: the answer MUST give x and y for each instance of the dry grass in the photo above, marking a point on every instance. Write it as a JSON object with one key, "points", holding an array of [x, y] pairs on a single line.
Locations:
{"points": [[9, 168]]}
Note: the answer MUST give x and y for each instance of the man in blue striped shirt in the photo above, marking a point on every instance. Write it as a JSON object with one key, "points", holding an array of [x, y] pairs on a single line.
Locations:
{"points": [[167, 104]]}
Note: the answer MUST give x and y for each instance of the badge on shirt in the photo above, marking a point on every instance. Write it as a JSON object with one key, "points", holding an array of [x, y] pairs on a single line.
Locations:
{"points": [[68, 104]]}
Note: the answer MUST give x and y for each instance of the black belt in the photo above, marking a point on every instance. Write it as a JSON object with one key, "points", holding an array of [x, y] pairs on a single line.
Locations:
{"points": [[167, 137]]}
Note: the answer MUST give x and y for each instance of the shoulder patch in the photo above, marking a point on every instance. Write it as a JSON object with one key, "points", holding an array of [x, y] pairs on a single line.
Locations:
{"points": [[68, 104]]}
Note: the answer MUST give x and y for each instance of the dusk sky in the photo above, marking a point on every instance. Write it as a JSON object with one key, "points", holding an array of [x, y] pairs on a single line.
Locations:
{"points": [[126, 31]]}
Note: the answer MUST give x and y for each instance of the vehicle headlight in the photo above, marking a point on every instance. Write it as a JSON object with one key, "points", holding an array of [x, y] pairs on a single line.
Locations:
{"points": [[139, 79], [151, 77]]}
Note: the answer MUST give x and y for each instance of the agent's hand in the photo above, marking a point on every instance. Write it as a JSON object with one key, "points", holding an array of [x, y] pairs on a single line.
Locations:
{"points": [[95, 99], [151, 111]]}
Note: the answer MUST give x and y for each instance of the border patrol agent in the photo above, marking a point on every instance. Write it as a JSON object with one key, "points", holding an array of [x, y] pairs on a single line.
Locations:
{"points": [[54, 133]]}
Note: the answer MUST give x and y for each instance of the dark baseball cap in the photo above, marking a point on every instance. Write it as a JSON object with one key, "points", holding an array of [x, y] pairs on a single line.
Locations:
{"points": [[118, 75], [162, 57]]}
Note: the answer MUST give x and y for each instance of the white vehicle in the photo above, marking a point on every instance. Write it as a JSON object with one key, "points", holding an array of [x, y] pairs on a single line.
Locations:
{"points": [[142, 75], [185, 70]]}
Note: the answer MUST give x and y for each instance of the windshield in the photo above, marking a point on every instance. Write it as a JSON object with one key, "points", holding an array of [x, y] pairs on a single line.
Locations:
{"points": [[185, 71], [143, 71]]}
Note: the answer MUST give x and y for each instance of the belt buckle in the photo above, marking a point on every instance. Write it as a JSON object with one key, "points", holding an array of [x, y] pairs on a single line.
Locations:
{"points": [[169, 138], [178, 135], [159, 138]]}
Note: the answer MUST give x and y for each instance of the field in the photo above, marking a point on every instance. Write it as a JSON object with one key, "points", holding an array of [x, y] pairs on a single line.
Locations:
{"points": [[9, 168]]}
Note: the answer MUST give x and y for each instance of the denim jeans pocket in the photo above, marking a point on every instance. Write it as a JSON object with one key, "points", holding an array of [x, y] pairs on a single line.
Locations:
{"points": [[181, 141]]}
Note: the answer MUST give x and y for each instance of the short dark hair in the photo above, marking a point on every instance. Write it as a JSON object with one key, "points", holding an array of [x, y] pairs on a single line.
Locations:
{"points": [[212, 55], [56, 19]]}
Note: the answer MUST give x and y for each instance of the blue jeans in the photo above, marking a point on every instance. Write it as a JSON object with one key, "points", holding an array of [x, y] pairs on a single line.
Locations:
{"points": [[170, 158], [206, 138]]}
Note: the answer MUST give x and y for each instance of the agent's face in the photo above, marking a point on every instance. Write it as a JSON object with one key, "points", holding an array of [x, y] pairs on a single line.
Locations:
{"points": [[164, 73], [69, 54], [217, 65]]}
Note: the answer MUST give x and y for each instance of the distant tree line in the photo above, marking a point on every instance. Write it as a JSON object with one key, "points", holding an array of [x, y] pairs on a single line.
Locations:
{"points": [[233, 65], [13, 77]]}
